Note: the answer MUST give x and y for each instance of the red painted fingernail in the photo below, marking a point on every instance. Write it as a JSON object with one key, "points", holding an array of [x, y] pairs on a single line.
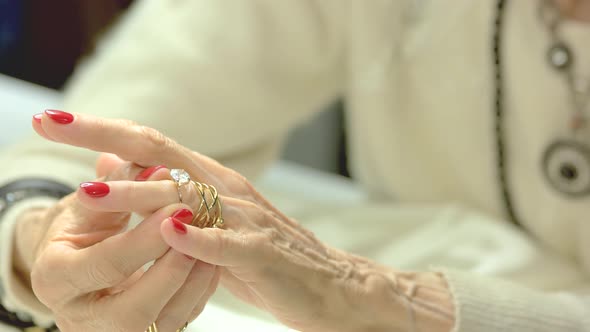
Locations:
{"points": [[146, 173], [95, 189], [38, 117], [184, 215], [60, 117], [179, 226]]}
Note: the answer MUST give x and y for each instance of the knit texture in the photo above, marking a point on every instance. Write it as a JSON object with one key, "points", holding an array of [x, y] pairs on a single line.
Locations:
{"points": [[485, 304]]}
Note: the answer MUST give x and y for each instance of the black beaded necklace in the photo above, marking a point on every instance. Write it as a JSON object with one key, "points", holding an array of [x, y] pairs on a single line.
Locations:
{"points": [[566, 161], [501, 149]]}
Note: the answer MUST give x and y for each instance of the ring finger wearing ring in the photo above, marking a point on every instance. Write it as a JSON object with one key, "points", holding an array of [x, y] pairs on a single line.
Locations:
{"points": [[209, 213], [147, 197]]}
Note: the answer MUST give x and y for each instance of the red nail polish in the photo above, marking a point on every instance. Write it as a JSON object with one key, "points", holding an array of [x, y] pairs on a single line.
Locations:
{"points": [[179, 226], [146, 173], [60, 116], [38, 117], [184, 215], [95, 189]]}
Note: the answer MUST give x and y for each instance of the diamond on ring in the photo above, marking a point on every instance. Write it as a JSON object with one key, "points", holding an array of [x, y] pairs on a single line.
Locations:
{"points": [[180, 176]]}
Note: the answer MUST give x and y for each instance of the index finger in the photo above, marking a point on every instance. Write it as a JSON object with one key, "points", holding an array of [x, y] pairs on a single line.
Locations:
{"points": [[127, 139]]}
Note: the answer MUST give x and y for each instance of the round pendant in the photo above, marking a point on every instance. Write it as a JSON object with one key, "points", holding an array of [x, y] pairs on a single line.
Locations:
{"points": [[560, 56], [566, 166]]}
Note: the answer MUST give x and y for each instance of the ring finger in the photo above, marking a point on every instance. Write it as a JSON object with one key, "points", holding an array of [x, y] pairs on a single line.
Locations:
{"points": [[143, 197]]}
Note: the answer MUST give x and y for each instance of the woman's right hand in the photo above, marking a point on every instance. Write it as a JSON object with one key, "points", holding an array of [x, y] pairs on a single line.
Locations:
{"points": [[89, 271]]}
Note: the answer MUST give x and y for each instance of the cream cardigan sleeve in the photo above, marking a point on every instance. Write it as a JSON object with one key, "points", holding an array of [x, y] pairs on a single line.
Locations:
{"points": [[225, 78], [489, 305]]}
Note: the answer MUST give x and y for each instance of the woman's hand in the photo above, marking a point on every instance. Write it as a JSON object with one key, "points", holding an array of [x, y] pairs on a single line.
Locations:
{"points": [[268, 259], [90, 273]]}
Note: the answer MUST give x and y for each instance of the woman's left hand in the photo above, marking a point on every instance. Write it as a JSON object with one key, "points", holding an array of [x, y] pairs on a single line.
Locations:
{"points": [[268, 259]]}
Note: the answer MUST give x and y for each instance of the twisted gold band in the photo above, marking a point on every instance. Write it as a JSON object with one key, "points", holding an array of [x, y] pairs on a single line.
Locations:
{"points": [[209, 213]]}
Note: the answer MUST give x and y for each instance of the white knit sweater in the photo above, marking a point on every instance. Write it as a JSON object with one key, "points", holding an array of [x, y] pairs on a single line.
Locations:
{"points": [[417, 78]]}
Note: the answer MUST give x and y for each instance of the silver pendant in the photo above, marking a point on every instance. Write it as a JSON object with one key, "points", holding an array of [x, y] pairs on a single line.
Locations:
{"points": [[560, 56], [566, 166]]}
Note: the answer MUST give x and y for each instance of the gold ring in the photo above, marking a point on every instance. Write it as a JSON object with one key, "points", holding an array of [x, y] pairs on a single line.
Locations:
{"points": [[210, 212], [152, 328], [181, 178], [182, 329]]}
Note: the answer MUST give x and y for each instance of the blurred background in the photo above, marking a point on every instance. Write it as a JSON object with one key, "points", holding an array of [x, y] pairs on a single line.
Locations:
{"points": [[42, 41]]}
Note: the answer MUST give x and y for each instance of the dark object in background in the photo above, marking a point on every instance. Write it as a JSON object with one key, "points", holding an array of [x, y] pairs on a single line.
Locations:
{"points": [[41, 41], [10, 26]]}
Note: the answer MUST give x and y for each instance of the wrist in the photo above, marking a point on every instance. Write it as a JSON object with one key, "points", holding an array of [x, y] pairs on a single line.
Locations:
{"points": [[410, 301], [366, 299], [384, 299]]}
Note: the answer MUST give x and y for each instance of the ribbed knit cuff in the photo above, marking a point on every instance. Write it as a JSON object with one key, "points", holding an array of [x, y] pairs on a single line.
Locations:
{"points": [[18, 297], [484, 304]]}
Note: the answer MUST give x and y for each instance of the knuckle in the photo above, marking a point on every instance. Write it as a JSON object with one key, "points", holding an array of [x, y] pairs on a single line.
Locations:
{"points": [[241, 179], [272, 235], [122, 173], [243, 183], [127, 123], [156, 139], [100, 275], [100, 125], [257, 213], [220, 244], [130, 191], [220, 240], [259, 240], [106, 272], [245, 189]]}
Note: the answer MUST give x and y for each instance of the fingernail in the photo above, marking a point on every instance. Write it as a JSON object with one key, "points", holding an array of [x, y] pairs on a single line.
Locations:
{"points": [[60, 116], [184, 215], [95, 189], [146, 173], [179, 226], [38, 117]]}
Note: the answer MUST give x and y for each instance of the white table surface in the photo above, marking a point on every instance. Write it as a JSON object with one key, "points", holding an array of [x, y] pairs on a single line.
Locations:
{"points": [[291, 186]]}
